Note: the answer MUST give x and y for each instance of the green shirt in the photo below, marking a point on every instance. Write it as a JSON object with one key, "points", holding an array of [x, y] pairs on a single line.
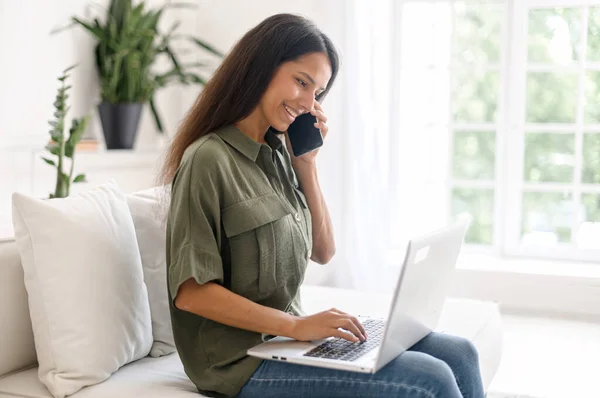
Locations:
{"points": [[238, 218]]}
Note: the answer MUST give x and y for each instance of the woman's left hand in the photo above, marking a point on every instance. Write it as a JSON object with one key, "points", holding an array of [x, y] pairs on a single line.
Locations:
{"points": [[321, 124]]}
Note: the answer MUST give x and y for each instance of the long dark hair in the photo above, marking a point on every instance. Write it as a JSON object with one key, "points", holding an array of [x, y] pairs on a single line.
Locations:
{"points": [[242, 78]]}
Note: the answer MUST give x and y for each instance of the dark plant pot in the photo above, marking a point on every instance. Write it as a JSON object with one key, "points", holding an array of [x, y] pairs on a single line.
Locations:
{"points": [[120, 124]]}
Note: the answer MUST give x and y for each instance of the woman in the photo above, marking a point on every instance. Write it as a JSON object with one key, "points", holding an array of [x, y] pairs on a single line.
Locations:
{"points": [[242, 218]]}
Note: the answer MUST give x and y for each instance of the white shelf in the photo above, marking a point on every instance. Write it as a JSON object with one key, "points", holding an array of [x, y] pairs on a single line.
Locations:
{"points": [[113, 159]]}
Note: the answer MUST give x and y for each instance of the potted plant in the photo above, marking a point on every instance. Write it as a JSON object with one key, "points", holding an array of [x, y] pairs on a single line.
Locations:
{"points": [[129, 44], [61, 146]]}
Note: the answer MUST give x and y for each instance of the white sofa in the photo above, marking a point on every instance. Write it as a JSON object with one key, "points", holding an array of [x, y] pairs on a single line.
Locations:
{"points": [[164, 376]]}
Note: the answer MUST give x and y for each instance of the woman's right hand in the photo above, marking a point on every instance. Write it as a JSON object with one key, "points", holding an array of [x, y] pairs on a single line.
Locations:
{"points": [[328, 324]]}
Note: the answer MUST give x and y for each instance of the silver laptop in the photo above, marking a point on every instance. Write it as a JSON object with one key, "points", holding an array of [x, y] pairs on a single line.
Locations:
{"points": [[415, 310]]}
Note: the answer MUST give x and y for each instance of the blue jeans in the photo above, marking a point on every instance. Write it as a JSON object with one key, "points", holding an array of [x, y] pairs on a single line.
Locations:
{"points": [[438, 366]]}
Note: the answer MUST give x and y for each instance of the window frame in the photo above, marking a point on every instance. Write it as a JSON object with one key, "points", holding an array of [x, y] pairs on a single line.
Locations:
{"points": [[499, 127], [517, 127]]}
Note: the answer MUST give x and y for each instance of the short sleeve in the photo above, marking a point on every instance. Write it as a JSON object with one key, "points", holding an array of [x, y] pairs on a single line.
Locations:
{"points": [[194, 224]]}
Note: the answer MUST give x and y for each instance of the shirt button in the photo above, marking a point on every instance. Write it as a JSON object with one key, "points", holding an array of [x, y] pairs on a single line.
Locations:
{"points": [[297, 217]]}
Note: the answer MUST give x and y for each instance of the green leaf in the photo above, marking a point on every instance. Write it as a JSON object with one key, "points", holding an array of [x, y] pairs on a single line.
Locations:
{"points": [[118, 11], [54, 148], [206, 46], [69, 150], [163, 79], [94, 30], [49, 161], [56, 135], [70, 68], [58, 30], [80, 178], [194, 78], [78, 127], [173, 28], [156, 116], [75, 133], [173, 58]]}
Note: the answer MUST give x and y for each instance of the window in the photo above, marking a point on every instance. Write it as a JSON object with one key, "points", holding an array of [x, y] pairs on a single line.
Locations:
{"points": [[501, 100]]}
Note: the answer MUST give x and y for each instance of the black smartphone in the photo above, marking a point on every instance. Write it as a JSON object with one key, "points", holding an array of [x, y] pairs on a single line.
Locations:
{"points": [[304, 136]]}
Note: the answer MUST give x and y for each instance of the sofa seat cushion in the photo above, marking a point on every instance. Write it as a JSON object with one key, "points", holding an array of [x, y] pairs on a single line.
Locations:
{"points": [[164, 377], [148, 377]]}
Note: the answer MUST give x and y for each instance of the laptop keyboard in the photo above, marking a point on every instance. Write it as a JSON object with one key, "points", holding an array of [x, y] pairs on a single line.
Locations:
{"points": [[345, 350]]}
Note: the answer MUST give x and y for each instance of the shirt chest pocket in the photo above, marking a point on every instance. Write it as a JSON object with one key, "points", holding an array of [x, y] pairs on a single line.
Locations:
{"points": [[307, 219], [261, 238]]}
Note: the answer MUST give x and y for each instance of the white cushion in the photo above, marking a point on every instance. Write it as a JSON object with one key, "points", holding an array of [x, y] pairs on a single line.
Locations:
{"points": [[150, 229], [83, 274]]}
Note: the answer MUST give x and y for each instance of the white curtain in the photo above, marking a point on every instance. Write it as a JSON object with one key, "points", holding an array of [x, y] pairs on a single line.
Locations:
{"points": [[392, 169]]}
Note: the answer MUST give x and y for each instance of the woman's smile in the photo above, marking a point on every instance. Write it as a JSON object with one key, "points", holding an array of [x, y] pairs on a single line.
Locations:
{"points": [[289, 113]]}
